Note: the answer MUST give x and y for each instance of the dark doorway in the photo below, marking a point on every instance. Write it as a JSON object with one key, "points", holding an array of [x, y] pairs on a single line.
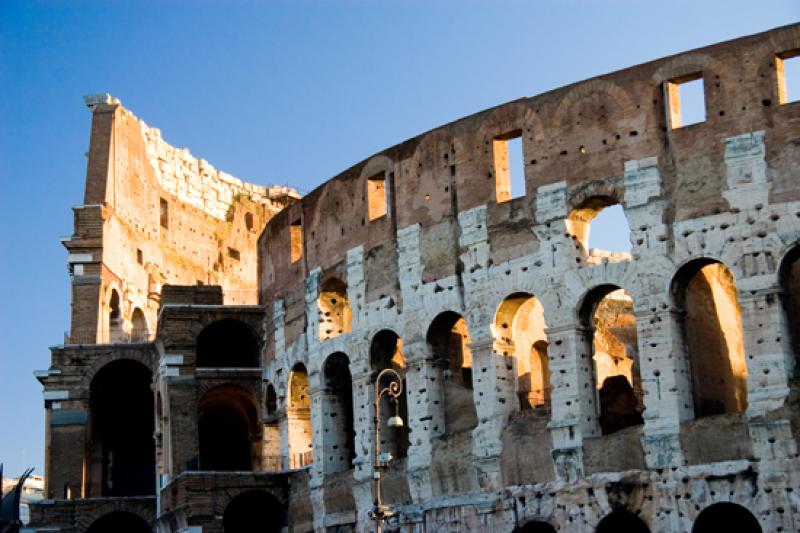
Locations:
{"points": [[254, 511], [535, 527], [726, 517], [622, 521], [122, 450], [226, 424], [227, 343], [119, 522]]}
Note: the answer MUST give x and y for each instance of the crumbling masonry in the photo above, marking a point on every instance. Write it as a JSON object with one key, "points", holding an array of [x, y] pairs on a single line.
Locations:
{"points": [[225, 337]]}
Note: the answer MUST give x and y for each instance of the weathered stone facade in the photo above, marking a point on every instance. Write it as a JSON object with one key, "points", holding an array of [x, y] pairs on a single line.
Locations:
{"points": [[545, 382]]}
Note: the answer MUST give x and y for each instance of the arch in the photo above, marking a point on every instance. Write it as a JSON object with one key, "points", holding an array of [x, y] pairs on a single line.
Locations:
{"points": [[119, 522], [789, 277], [705, 296], [298, 418], [337, 410], [227, 343], [114, 327], [334, 309], [386, 351], [726, 516], [121, 450], [139, 329], [228, 430], [607, 313], [270, 401], [254, 507], [519, 331], [535, 526], [271, 452], [622, 520], [579, 221], [448, 338]]}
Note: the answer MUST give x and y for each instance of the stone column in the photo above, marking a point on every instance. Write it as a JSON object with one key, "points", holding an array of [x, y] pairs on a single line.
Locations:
{"points": [[666, 383], [573, 398], [425, 416], [495, 399], [364, 447]]}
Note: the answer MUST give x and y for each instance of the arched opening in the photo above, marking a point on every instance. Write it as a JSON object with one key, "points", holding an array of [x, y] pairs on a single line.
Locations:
{"points": [[607, 313], [298, 418], [228, 430], [271, 455], [599, 225], [790, 285], [254, 510], [726, 516], [448, 338], [519, 331], [119, 522], [334, 309], [338, 437], [121, 449], [139, 331], [705, 295], [115, 332], [622, 520], [386, 351], [535, 526], [227, 343]]}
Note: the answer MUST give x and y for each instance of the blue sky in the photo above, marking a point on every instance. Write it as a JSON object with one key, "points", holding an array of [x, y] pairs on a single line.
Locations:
{"points": [[272, 92]]}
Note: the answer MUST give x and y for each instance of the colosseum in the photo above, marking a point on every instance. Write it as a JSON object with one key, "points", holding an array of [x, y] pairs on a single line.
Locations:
{"points": [[226, 340]]}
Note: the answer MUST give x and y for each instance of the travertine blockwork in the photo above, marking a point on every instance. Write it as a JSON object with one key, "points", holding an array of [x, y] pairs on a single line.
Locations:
{"points": [[543, 381], [665, 366]]}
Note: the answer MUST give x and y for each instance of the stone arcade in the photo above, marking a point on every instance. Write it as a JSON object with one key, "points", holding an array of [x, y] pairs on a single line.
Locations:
{"points": [[225, 336]]}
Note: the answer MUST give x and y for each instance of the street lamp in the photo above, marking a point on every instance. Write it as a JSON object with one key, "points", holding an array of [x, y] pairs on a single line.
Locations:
{"points": [[381, 512]]}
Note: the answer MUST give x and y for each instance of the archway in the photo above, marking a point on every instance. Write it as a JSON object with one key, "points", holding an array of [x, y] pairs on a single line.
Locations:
{"points": [[338, 436], [790, 285], [726, 516], [622, 521], [386, 351], [705, 295], [334, 309], [535, 526], [271, 455], [121, 449], [115, 332], [607, 312], [448, 338], [227, 343], [298, 417], [139, 331], [519, 331], [254, 510], [119, 522], [228, 430], [603, 217]]}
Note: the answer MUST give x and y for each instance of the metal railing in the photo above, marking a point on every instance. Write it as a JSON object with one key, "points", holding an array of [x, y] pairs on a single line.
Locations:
{"points": [[300, 460], [115, 336]]}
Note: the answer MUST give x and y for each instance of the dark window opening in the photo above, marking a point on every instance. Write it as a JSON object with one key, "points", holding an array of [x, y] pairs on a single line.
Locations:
{"points": [[164, 211], [139, 257], [233, 253], [339, 440], [248, 221], [227, 343], [254, 507]]}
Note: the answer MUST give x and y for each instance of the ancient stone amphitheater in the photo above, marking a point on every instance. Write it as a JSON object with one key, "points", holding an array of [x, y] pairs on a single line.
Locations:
{"points": [[220, 370]]}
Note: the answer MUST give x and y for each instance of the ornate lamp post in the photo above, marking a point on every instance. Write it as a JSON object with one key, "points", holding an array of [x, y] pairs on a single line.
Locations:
{"points": [[381, 512]]}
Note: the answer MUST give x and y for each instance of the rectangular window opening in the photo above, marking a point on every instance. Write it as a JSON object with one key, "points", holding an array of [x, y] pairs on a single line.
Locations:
{"points": [[139, 256], [164, 214], [686, 101], [509, 167], [788, 65], [376, 196], [296, 240]]}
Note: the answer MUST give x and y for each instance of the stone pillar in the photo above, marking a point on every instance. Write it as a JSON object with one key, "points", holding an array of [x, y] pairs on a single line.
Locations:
{"points": [[425, 416], [573, 398], [666, 383], [364, 447], [495, 399]]}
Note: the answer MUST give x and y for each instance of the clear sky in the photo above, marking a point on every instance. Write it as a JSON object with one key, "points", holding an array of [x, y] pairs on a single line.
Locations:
{"points": [[272, 92]]}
